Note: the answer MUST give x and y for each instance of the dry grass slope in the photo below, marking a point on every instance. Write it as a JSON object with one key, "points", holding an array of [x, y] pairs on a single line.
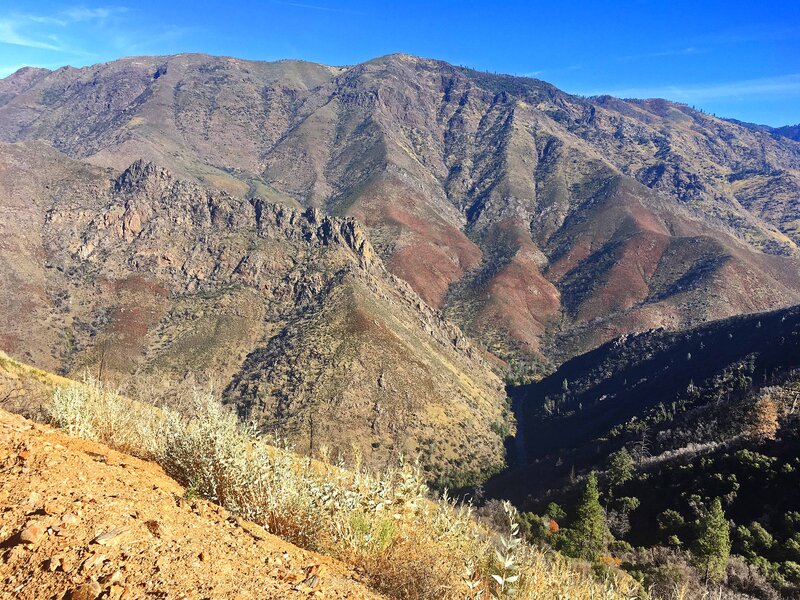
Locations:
{"points": [[81, 520], [384, 525]]}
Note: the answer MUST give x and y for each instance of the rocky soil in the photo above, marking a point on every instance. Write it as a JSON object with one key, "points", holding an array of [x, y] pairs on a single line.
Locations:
{"points": [[79, 520]]}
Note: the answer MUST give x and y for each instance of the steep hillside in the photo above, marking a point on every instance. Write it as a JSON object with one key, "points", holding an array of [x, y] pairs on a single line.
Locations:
{"points": [[83, 520], [387, 526], [734, 439], [755, 474], [290, 313], [544, 223], [658, 393], [673, 421]]}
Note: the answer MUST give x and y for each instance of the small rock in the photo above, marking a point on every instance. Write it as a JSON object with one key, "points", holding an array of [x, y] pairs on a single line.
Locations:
{"points": [[68, 563], [69, 519], [112, 579], [12, 556], [32, 533], [153, 527], [92, 561], [54, 563], [110, 537], [203, 557], [88, 591]]}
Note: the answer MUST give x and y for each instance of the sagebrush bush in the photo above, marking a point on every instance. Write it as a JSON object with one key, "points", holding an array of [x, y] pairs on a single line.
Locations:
{"points": [[383, 524]]}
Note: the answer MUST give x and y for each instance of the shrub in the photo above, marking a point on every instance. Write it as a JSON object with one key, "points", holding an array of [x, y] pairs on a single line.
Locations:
{"points": [[555, 512], [762, 539], [791, 570], [749, 580], [670, 521]]}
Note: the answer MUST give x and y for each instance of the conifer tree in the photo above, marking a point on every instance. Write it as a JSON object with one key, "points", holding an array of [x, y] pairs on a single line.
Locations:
{"points": [[713, 546], [620, 467], [590, 528]]}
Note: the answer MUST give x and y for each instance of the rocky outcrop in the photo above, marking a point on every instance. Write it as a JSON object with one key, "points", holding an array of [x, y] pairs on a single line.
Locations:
{"points": [[289, 312]]}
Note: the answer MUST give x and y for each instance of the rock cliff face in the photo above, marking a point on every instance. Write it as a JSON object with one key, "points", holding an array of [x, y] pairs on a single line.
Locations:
{"points": [[543, 223], [291, 313]]}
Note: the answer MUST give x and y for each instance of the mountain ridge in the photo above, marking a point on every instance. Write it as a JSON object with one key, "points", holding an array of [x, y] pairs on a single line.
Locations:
{"points": [[472, 186], [140, 275]]}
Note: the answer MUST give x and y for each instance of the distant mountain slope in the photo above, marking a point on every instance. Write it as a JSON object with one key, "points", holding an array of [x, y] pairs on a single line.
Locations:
{"points": [[544, 223], [704, 414], [291, 313], [790, 131]]}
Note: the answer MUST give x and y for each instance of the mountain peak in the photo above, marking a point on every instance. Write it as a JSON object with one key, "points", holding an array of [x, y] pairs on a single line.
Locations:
{"points": [[25, 72], [143, 174], [398, 56], [20, 81]]}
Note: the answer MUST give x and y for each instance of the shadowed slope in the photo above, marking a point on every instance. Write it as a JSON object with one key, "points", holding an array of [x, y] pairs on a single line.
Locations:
{"points": [[658, 393]]}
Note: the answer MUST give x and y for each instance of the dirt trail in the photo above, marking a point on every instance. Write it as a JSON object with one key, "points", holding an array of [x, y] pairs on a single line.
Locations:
{"points": [[79, 520]]}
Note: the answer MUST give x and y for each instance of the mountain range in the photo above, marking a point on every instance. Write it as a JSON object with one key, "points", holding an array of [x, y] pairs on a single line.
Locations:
{"points": [[540, 222], [354, 256]]}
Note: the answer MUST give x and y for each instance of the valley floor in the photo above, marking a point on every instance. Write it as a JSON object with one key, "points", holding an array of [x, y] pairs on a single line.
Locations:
{"points": [[78, 517]]}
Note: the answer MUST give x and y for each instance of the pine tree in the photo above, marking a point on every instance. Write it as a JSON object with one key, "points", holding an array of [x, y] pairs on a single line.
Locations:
{"points": [[590, 528], [713, 546], [620, 467]]}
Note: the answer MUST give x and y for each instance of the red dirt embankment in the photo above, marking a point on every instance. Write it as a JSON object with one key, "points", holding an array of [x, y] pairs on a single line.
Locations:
{"points": [[79, 520]]}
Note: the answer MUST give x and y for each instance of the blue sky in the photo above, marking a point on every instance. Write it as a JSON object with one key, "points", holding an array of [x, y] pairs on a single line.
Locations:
{"points": [[735, 59]]}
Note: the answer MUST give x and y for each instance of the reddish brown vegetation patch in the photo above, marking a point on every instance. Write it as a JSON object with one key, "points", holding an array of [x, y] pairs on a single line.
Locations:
{"points": [[521, 301]]}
